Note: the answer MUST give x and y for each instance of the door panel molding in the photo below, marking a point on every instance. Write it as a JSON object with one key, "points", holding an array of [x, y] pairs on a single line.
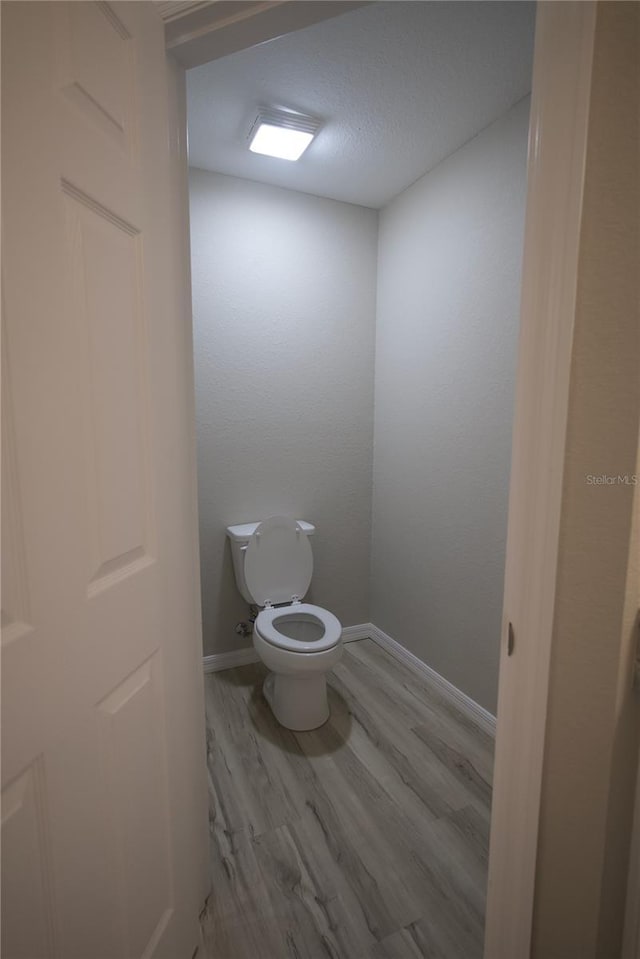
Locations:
{"points": [[29, 915]]}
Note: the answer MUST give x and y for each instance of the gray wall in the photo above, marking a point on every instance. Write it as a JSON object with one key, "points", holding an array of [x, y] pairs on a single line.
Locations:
{"points": [[284, 288], [450, 250]]}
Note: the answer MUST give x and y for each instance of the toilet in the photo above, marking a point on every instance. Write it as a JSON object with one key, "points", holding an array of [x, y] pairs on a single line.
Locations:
{"points": [[298, 642]]}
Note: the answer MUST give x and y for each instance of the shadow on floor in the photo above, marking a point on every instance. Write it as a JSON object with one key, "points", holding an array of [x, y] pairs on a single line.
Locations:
{"points": [[323, 741]]}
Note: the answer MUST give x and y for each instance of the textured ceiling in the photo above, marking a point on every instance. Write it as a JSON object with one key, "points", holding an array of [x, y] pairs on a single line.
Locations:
{"points": [[398, 85]]}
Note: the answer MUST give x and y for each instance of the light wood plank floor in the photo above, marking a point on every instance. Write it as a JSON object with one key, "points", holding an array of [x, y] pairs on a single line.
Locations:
{"points": [[365, 839]]}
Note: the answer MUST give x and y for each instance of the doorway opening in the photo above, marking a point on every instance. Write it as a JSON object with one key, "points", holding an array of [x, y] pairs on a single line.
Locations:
{"points": [[355, 327]]}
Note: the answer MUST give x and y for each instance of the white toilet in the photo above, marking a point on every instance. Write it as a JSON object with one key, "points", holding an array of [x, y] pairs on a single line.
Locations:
{"points": [[299, 643]]}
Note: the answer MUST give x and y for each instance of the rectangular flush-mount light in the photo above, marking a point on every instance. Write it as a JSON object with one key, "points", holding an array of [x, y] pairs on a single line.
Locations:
{"points": [[282, 134]]}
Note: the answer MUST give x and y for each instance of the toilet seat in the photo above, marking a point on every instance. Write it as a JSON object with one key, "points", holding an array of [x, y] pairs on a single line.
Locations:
{"points": [[267, 626]]}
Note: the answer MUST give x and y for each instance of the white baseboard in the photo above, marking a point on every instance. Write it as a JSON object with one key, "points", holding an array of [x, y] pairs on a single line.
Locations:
{"points": [[242, 657], [350, 634], [235, 657], [478, 714]]}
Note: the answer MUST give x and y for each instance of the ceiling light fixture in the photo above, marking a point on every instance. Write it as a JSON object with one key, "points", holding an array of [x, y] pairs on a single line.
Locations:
{"points": [[282, 133]]}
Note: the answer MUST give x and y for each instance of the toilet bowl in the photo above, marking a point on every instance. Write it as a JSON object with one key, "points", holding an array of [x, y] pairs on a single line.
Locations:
{"points": [[298, 642]]}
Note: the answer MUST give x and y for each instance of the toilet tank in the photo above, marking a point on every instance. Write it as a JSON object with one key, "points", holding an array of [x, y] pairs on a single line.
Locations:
{"points": [[239, 536]]}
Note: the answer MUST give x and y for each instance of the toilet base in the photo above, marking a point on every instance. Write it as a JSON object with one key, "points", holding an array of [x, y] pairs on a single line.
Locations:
{"points": [[297, 702]]}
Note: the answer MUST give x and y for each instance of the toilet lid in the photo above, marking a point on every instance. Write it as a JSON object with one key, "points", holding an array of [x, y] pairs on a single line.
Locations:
{"points": [[278, 562]]}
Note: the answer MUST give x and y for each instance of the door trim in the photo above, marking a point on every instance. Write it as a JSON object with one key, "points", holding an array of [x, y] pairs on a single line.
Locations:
{"points": [[631, 932], [207, 31], [556, 168], [557, 148]]}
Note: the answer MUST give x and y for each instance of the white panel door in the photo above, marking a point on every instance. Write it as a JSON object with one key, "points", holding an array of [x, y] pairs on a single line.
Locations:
{"points": [[103, 791]]}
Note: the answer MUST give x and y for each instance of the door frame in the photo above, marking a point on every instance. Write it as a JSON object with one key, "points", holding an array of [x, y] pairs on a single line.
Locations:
{"points": [[561, 91], [631, 932], [561, 94]]}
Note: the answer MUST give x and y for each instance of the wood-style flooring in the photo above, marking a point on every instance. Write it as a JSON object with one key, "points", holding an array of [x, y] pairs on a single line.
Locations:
{"points": [[365, 839]]}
